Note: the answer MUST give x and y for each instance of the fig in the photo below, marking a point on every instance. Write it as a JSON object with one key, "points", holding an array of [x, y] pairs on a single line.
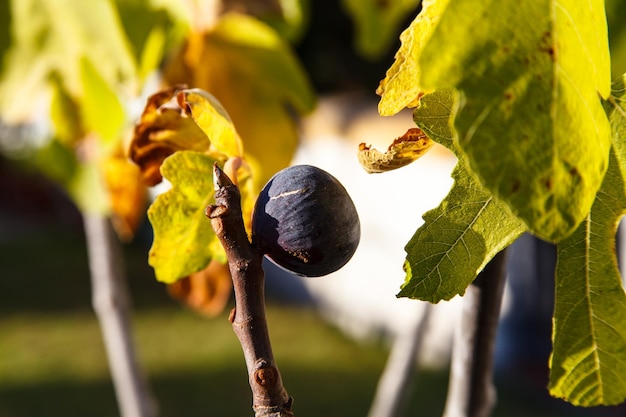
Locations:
{"points": [[305, 221]]}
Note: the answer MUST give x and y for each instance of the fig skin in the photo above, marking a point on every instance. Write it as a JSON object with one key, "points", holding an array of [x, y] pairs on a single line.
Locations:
{"points": [[305, 221]]}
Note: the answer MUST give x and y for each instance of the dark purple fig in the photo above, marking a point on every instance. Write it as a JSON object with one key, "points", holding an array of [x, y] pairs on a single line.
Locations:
{"points": [[305, 221]]}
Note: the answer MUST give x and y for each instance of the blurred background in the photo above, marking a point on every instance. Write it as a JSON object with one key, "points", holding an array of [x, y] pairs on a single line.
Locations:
{"points": [[331, 336]]}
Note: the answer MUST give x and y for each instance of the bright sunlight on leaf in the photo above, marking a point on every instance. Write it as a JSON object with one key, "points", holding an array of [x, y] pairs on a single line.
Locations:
{"points": [[184, 241], [179, 119], [530, 118], [256, 77], [51, 37], [101, 110], [182, 132], [400, 88], [468, 228], [214, 121], [588, 364]]}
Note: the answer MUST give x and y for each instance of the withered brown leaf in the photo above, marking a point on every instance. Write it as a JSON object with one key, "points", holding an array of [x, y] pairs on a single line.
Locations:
{"points": [[165, 127], [402, 151]]}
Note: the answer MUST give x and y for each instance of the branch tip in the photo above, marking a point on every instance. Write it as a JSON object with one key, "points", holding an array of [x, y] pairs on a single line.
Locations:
{"points": [[220, 179]]}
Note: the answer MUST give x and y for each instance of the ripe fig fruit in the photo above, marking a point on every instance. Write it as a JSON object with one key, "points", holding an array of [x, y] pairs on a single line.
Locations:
{"points": [[305, 221]]}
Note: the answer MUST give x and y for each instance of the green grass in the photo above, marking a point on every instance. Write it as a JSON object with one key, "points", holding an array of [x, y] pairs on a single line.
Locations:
{"points": [[52, 360], [194, 364]]}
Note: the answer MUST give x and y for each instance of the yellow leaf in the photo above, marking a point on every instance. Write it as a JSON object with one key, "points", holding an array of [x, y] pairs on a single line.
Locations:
{"points": [[402, 151], [177, 119], [212, 118], [165, 127], [127, 193], [400, 88], [258, 80]]}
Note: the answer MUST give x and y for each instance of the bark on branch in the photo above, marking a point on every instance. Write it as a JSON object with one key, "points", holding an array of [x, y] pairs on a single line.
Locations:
{"points": [[269, 397]]}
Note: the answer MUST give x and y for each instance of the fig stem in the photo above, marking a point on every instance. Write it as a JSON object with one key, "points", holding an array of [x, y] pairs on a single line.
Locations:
{"points": [[270, 399]]}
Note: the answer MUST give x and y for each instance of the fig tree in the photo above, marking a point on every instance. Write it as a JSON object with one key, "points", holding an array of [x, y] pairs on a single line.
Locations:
{"points": [[305, 221]]}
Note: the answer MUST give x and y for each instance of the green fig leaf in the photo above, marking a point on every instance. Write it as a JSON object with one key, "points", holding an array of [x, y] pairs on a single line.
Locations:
{"points": [[184, 240], [469, 227], [101, 110], [530, 118], [435, 116], [588, 363], [457, 240]]}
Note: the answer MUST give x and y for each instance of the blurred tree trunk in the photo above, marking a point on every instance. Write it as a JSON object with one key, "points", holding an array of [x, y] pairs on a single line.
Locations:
{"points": [[471, 392], [394, 385], [111, 303]]}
